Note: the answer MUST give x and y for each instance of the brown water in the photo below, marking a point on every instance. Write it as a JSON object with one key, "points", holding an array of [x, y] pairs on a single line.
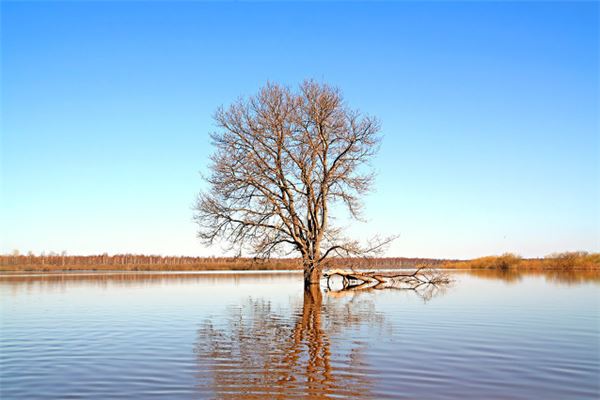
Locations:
{"points": [[259, 335]]}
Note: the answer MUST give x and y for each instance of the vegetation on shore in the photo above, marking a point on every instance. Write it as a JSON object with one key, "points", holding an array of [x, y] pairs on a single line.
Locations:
{"points": [[554, 262], [130, 262]]}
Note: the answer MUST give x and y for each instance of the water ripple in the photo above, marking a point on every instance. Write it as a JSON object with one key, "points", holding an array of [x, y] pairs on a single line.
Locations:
{"points": [[261, 336]]}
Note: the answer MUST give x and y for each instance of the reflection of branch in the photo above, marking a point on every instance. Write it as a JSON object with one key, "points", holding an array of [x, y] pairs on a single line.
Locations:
{"points": [[262, 353]]}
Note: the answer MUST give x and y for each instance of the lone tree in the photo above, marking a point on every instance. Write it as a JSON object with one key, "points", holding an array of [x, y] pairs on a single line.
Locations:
{"points": [[282, 159]]}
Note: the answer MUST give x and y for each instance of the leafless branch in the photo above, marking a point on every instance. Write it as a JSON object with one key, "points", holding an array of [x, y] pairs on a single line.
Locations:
{"points": [[281, 158], [424, 280]]}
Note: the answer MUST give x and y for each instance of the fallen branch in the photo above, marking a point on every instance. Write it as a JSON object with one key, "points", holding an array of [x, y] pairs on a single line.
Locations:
{"points": [[423, 276]]}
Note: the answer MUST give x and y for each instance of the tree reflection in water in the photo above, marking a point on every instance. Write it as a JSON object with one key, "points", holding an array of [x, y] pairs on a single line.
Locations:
{"points": [[260, 352]]}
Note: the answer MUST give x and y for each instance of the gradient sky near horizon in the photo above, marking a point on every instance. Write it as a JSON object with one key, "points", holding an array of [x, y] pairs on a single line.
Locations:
{"points": [[490, 113]]}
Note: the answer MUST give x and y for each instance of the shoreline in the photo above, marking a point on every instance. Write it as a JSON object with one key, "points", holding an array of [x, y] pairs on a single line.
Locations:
{"points": [[99, 271]]}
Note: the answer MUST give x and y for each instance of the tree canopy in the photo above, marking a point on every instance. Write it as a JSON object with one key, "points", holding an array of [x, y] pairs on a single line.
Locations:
{"points": [[281, 159]]}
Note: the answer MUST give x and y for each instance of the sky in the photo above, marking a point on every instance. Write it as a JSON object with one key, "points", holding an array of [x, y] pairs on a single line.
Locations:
{"points": [[489, 111]]}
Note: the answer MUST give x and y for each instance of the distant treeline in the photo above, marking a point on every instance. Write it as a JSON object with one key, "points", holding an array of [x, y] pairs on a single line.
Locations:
{"points": [[134, 262]]}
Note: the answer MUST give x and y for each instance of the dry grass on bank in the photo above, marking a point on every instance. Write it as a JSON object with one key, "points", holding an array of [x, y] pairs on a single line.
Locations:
{"points": [[555, 262]]}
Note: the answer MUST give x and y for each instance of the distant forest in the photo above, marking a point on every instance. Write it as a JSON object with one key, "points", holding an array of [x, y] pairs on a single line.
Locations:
{"points": [[135, 262]]}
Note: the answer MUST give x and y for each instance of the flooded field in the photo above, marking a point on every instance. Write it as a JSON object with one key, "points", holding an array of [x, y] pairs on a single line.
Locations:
{"points": [[259, 335]]}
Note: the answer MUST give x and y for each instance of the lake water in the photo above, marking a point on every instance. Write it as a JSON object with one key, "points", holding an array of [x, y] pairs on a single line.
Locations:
{"points": [[258, 335]]}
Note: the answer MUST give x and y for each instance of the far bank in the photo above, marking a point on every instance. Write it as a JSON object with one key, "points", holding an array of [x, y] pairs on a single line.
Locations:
{"points": [[130, 262]]}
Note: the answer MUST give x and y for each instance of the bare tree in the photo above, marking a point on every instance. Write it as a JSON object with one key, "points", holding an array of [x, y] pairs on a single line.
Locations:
{"points": [[282, 159]]}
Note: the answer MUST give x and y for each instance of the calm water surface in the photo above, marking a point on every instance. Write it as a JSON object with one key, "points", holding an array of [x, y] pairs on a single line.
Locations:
{"points": [[189, 335]]}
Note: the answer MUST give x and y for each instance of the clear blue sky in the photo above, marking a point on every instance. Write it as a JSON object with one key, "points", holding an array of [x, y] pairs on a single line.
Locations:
{"points": [[490, 113]]}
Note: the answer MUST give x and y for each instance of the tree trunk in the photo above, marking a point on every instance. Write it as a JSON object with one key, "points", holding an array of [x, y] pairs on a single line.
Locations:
{"points": [[312, 273]]}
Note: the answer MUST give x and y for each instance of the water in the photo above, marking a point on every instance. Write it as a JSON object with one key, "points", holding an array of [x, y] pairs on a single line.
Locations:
{"points": [[258, 335]]}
